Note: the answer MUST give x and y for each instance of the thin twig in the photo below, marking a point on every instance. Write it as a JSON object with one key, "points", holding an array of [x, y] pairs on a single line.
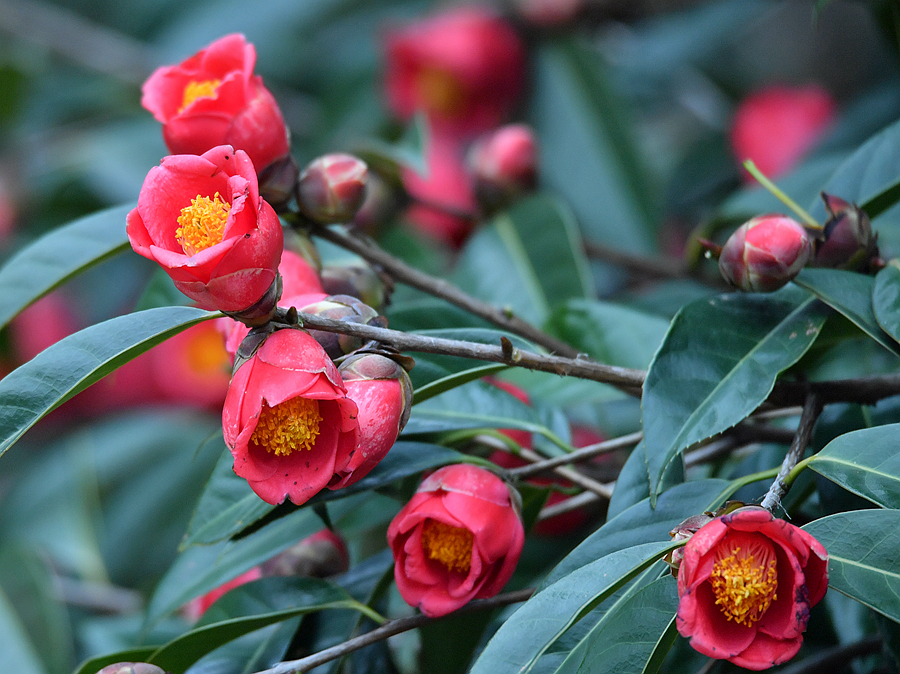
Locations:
{"points": [[581, 500], [864, 390], [402, 272], [658, 268], [390, 629], [571, 475], [811, 410], [622, 377], [582, 454]]}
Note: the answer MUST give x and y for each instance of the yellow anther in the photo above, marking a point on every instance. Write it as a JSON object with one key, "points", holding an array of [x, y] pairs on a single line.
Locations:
{"points": [[195, 90], [202, 224], [289, 426], [451, 546], [745, 581]]}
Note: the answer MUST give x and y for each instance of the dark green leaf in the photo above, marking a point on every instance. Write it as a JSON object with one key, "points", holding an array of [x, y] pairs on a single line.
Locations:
{"points": [[533, 628], [719, 361], [862, 556], [886, 300], [74, 363], [865, 462], [58, 256], [630, 634], [850, 294], [260, 603], [528, 259], [633, 483], [17, 653]]}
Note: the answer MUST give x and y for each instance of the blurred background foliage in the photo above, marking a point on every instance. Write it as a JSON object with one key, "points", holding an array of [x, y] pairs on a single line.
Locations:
{"points": [[631, 101]]}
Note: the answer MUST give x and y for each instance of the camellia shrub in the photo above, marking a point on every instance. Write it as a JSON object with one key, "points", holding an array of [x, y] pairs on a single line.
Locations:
{"points": [[539, 336]]}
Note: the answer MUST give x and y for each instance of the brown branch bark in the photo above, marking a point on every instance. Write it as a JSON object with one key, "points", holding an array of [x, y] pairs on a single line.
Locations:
{"points": [[811, 410]]}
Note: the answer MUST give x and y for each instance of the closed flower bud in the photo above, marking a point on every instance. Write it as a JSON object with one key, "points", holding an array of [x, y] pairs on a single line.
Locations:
{"points": [[849, 242], [383, 395], [278, 182], [459, 538], [504, 165], [342, 308], [360, 281], [131, 668], [765, 253], [332, 188], [320, 555], [213, 98]]}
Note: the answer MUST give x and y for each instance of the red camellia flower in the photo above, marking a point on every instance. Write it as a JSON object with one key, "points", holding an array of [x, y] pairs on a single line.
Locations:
{"points": [[213, 98], [746, 584], [765, 253], [459, 538], [202, 219], [383, 393], [287, 419], [465, 69], [777, 125]]}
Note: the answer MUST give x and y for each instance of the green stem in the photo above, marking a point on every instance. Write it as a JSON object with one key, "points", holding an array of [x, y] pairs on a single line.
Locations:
{"points": [[781, 196], [750, 479], [799, 468]]}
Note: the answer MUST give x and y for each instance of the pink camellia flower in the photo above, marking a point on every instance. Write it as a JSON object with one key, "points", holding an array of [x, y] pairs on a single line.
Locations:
{"points": [[202, 219], [332, 188], [465, 69], [383, 393], [459, 538], [503, 164], [765, 253], [213, 98], [287, 420], [745, 586], [443, 200], [777, 125]]}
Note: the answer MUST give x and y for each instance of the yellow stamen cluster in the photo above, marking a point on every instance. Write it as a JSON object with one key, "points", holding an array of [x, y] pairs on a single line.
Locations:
{"points": [[451, 546], [287, 427], [195, 90], [206, 352], [202, 224], [440, 91], [745, 585]]}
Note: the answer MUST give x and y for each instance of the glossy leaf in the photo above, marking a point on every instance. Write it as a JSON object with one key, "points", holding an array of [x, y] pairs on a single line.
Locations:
{"points": [[865, 462], [633, 482], [718, 363], [58, 256], [529, 632], [74, 363], [628, 635], [850, 294], [862, 556], [253, 602], [528, 259], [886, 300]]}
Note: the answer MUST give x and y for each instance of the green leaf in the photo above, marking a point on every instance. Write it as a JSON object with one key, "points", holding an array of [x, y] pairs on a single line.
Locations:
{"points": [[254, 603], [862, 556], [71, 365], [528, 259], [886, 300], [609, 333], [629, 636], [58, 256], [865, 462], [540, 621], [93, 665], [588, 148], [633, 482], [17, 653], [228, 505], [850, 294], [718, 363]]}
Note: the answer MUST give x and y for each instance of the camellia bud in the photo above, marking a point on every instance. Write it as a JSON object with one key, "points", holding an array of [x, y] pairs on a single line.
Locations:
{"points": [[504, 165], [360, 281], [277, 182], [848, 239], [765, 253], [131, 668], [332, 188], [320, 555], [383, 395], [342, 308]]}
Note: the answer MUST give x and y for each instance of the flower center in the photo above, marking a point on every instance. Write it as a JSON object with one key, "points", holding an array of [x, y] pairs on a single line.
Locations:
{"points": [[451, 546], [195, 90], [440, 91], [289, 426], [202, 224], [745, 581]]}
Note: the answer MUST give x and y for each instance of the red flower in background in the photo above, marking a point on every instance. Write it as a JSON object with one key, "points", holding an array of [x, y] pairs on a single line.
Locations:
{"points": [[459, 538], [213, 98], [465, 69], [746, 584], [777, 125], [202, 219], [287, 420]]}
